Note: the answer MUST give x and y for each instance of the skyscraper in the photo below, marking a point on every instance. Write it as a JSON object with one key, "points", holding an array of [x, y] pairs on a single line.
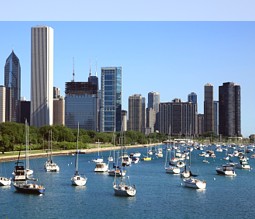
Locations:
{"points": [[111, 99], [208, 109], [230, 110], [152, 112], [135, 113], [12, 81], [178, 118], [192, 97], [41, 76], [81, 105], [2, 103]]}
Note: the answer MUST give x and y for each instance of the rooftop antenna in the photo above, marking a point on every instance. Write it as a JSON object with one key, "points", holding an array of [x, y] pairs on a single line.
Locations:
{"points": [[73, 70]]}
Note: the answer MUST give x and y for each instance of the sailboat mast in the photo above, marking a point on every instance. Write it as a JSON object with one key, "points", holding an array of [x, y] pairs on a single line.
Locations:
{"points": [[26, 133], [76, 162]]}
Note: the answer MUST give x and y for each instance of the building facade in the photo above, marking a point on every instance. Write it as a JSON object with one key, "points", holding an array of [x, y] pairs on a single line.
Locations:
{"points": [[2, 103], [230, 110], [24, 111], [12, 82], [41, 76], [178, 118], [152, 112], [81, 105], [135, 113], [208, 109], [111, 99]]}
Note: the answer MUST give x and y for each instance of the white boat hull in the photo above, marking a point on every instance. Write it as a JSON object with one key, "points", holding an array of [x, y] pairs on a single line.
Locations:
{"points": [[194, 183], [101, 167], [78, 180], [5, 181], [173, 170], [124, 190], [51, 166]]}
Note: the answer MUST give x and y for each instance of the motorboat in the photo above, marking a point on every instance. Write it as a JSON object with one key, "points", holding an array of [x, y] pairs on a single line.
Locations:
{"points": [[194, 183], [4, 181], [243, 164], [30, 188], [101, 167], [117, 172], [226, 169], [51, 166]]}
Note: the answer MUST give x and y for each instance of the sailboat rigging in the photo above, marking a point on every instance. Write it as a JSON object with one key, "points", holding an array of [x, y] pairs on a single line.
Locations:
{"points": [[77, 179]]}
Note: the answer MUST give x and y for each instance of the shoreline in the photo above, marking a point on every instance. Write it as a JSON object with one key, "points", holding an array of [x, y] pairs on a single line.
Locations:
{"points": [[9, 157]]}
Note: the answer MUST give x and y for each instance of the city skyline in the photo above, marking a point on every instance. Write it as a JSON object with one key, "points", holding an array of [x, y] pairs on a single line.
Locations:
{"points": [[172, 58]]}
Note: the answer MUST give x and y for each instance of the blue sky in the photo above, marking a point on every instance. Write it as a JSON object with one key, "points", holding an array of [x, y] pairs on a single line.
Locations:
{"points": [[172, 58]]}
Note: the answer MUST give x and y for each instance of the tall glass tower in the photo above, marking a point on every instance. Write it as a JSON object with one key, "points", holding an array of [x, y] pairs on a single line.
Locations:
{"points": [[208, 109], [111, 99], [41, 76], [12, 80], [230, 109]]}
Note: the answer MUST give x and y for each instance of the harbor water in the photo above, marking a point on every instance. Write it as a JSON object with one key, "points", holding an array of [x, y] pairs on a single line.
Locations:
{"points": [[159, 195]]}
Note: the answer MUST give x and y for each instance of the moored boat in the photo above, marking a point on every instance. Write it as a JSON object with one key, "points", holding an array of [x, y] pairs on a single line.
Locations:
{"points": [[77, 179], [226, 169], [30, 188], [4, 181], [194, 183]]}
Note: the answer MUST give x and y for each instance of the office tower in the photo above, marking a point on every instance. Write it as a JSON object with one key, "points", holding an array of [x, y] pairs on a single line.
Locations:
{"points": [[24, 111], [192, 97], [208, 109], [135, 113], [12, 82], [81, 103], [178, 118], [111, 99], [124, 120], [41, 76], [216, 117], [154, 101], [152, 112], [200, 124], [2, 103], [230, 110], [59, 111]]}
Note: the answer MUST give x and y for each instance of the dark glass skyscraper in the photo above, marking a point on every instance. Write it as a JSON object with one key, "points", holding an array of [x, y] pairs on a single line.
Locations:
{"points": [[111, 99], [230, 110], [12, 81], [208, 109], [81, 105]]}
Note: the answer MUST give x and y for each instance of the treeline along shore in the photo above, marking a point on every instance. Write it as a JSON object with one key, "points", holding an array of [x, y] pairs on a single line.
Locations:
{"points": [[13, 156]]}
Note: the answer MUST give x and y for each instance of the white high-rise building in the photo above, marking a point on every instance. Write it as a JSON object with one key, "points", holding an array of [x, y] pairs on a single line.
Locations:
{"points": [[41, 76], [2, 103]]}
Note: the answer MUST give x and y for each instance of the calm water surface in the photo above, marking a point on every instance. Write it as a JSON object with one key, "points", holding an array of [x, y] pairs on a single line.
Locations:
{"points": [[159, 195]]}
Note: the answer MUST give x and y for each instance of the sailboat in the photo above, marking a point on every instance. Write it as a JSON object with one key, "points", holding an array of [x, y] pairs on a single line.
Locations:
{"points": [[122, 186], [186, 173], [99, 159], [173, 169], [49, 165], [21, 181], [77, 179]]}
